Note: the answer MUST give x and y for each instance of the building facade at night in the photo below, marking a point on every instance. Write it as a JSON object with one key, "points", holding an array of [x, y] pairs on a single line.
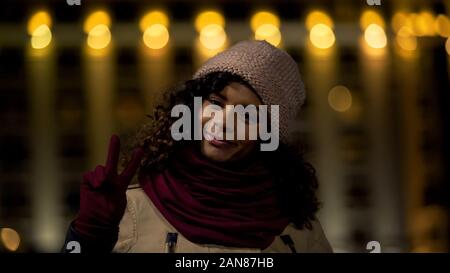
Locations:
{"points": [[375, 125]]}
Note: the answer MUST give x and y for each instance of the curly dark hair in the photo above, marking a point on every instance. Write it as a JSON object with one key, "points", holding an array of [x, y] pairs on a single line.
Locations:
{"points": [[297, 182]]}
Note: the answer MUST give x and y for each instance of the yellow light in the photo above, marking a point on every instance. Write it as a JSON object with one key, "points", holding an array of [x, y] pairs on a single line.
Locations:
{"points": [[447, 46], [209, 18], [156, 36], [318, 17], [213, 36], [340, 98], [41, 37], [322, 36], [38, 19], [427, 19], [371, 17], [423, 23], [96, 18], [375, 36], [154, 17], [406, 39], [442, 25], [205, 53], [400, 20], [375, 53], [270, 33], [99, 37], [263, 18], [10, 238]]}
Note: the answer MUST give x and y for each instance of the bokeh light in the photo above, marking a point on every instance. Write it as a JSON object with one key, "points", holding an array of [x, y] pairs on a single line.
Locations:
{"points": [[153, 17], [97, 26], [340, 98], [442, 25], [39, 28], [10, 239], [266, 26], [210, 25], [371, 17], [399, 20], [264, 18], [38, 19], [213, 36], [99, 37], [210, 17], [423, 23], [375, 36], [322, 36], [405, 39], [270, 33], [318, 17], [99, 17], [41, 37], [156, 36]]}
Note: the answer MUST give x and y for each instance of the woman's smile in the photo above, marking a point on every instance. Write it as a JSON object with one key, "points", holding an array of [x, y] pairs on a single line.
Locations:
{"points": [[217, 141]]}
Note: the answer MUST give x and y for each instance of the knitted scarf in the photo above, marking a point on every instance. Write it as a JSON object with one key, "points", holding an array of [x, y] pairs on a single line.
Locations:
{"points": [[233, 205]]}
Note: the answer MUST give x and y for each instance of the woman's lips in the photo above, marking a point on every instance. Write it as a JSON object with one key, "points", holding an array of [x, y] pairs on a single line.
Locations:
{"points": [[213, 140]]}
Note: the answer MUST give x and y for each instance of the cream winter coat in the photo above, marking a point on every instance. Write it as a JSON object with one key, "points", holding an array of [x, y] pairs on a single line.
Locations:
{"points": [[144, 229]]}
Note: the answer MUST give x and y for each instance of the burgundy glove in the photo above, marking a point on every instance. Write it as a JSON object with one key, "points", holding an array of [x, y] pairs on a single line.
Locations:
{"points": [[103, 199]]}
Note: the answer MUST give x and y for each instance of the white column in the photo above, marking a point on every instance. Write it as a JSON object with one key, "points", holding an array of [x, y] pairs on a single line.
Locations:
{"points": [[383, 159], [320, 76], [45, 183], [155, 74]]}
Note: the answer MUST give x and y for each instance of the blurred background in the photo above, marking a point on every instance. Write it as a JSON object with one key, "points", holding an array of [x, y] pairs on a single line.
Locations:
{"points": [[375, 126]]}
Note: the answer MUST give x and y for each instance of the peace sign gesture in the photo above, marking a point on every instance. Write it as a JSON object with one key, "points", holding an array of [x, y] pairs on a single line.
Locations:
{"points": [[102, 196], [108, 173]]}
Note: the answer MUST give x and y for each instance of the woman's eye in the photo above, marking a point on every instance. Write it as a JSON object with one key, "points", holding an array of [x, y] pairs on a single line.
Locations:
{"points": [[215, 101]]}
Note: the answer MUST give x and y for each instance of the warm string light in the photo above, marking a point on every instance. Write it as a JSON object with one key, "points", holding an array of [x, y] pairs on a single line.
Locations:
{"points": [[320, 27], [10, 239], [409, 26], [39, 29], [373, 26], [210, 26], [154, 26], [265, 25], [97, 26]]}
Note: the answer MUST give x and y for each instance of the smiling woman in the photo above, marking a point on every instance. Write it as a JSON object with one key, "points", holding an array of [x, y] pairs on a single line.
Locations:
{"points": [[222, 120], [216, 147], [214, 194]]}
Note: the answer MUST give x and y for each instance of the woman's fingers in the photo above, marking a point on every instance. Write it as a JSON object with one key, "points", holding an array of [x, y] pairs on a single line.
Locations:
{"points": [[128, 173], [98, 177], [113, 155]]}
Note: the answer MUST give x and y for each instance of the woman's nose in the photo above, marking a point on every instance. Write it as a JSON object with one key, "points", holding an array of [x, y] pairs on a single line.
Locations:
{"points": [[229, 115], [221, 123]]}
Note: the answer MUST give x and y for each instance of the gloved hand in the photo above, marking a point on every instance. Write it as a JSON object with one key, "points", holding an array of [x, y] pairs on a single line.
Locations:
{"points": [[103, 199]]}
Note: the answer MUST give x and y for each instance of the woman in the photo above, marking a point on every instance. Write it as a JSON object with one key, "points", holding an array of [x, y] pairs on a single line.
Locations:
{"points": [[213, 194]]}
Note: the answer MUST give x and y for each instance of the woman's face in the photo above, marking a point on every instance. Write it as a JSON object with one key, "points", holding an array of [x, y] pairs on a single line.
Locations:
{"points": [[228, 150]]}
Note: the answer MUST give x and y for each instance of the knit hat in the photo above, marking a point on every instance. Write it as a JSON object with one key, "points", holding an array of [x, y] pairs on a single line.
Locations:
{"points": [[272, 72]]}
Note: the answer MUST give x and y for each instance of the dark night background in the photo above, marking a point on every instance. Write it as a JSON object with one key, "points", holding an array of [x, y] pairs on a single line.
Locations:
{"points": [[375, 125]]}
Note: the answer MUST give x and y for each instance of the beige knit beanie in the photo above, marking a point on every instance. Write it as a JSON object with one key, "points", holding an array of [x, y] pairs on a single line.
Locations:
{"points": [[270, 71]]}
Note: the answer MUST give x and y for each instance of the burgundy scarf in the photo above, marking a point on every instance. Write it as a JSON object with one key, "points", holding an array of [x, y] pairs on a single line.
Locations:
{"points": [[210, 203]]}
